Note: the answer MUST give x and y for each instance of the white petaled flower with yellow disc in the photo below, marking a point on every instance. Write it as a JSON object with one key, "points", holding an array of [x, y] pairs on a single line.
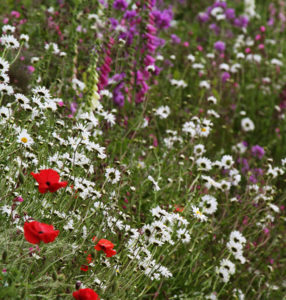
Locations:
{"points": [[198, 214], [24, 138]]}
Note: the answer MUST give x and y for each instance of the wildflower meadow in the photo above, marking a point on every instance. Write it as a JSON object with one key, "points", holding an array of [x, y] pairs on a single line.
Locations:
{"points": [[143, 149]]}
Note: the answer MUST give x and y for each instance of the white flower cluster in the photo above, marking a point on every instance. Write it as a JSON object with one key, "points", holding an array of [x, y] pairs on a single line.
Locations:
{"points": [[197, 127]]}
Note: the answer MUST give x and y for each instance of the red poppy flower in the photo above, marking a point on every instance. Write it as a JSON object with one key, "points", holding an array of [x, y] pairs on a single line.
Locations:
{"points": [[179, 208], [106, 246], [85, 294], [84, 268], [35, 232], [89, 258], [49, 181]]}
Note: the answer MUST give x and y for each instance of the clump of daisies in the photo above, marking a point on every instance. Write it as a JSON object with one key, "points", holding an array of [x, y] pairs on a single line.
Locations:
{"points": [[225, 270], [235, 245]]}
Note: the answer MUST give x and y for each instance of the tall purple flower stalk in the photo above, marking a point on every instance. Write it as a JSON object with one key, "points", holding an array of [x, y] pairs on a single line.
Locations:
{"points": [[143, 75], [105, 68]]}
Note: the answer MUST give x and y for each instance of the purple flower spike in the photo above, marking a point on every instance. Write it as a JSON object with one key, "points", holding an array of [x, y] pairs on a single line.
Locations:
{"points": [[225, 76], [219, 46], [120, 4], [257, 151]]}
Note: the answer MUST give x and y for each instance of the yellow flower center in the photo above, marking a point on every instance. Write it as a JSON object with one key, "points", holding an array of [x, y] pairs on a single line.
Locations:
{"points": [[198, 213], [204, 129], [24, 140]]}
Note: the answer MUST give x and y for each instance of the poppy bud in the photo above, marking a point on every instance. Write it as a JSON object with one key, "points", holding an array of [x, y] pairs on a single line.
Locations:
{"points": [[4, 256], [21, 177], [77, 284]]}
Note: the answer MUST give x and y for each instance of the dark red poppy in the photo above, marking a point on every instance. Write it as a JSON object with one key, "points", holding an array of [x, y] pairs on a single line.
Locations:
{"points": [[35, 232], [49, 181], [85, 294], [106, 246]]}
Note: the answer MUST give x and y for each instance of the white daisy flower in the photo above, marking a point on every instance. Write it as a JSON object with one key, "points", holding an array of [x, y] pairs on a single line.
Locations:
{"points": [[190, 127], [237, 237], [208, 204], [217, 164], [183, 235], [9, 42], [276, 62], [239, 256], [240, 55], [204, 164], [53, 47], [24, 37], [163, 112], [247, 124], [198, 214], [234, 68], [22, 98], [238, 293], [34, 59], [224, 67], [213, 113], [223, 274], [106, 93], [198, 66], [4, 78], [225, 185], [155, 183], [205, 84], [240, 148], [191, 58], [24, 138], [199, 149], [211, 296], [41, 91], [5, 112], [203, 130], [227, 161], [8, 29], [112, 175], [233, 247], [109, 117], [4, 65], [228, 265]]}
